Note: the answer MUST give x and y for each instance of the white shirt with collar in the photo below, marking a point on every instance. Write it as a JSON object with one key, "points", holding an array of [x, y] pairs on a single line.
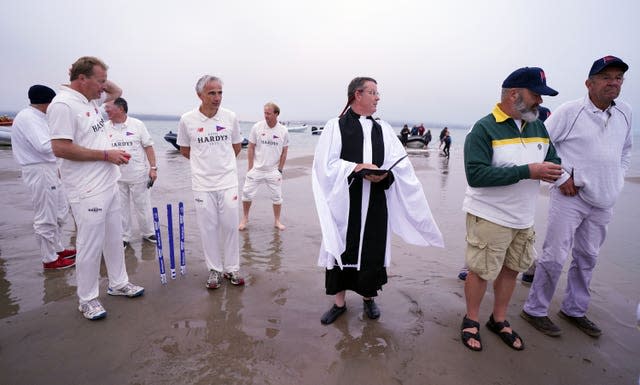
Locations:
{"points": [[595, 146], [30, 139], [213, 160], [71, 116], [131, 136]]}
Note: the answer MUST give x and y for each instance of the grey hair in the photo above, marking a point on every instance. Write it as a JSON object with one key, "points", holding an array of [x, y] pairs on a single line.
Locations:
{"points": [[355, 85], [203, 81]]}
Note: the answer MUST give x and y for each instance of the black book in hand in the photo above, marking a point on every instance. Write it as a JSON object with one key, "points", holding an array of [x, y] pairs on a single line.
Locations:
{"points": [[378, 171]]}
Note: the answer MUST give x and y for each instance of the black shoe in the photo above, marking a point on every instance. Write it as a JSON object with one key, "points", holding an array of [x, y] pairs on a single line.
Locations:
{"points": [[543, 324], [583, 323], [332, 314], [371, 309]]}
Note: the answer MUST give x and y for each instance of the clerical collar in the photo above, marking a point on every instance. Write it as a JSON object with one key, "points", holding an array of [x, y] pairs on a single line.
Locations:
{"points": [[354, 115]]}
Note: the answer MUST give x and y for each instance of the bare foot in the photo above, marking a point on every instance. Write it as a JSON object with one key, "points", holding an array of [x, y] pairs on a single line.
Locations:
{"points": [[280, 226], [243, 225]]}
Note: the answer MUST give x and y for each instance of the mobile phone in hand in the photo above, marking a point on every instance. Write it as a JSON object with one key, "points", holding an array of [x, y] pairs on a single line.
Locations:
{"points": [[150, 182]]}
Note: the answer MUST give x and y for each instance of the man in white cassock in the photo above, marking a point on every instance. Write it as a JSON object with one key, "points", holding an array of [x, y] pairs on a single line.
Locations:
{"points": [[357, 212]]}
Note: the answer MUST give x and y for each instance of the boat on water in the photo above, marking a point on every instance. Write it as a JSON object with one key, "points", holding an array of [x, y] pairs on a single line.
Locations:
{"points": [[416, 141], [5, 121], [300, 128], [316, 130], [171, 137]]}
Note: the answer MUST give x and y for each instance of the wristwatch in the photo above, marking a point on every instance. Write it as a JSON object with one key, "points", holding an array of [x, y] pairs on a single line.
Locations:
{"points": [[154, 168]]}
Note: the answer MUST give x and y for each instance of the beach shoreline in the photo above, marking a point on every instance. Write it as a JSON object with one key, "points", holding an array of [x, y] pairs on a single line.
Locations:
{"points": [[269, 331]]}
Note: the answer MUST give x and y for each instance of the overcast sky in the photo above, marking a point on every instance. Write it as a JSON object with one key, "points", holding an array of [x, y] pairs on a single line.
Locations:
{"points": [[435, 61]]}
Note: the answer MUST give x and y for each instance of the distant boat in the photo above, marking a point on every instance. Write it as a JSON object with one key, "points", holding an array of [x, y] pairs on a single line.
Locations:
{"points": [[416, 141], [316, 130], [171, 137], [300, 128], [5, 121]]}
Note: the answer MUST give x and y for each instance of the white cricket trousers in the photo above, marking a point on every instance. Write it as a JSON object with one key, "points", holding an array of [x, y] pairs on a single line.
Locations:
{"points": [[217, 216], [99, 234], [139, 194], [50, 207]]}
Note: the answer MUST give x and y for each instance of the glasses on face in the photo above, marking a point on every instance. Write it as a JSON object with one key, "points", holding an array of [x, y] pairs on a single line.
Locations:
{"points": [[371, 92]]}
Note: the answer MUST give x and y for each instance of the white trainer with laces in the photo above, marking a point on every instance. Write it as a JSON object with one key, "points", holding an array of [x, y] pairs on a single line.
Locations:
{"points": [[129, 290], [92, 310]]}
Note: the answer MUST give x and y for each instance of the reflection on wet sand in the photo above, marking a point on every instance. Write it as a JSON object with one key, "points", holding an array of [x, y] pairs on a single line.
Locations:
{"points": [[264, 251], [204, 349], [7, 305]]}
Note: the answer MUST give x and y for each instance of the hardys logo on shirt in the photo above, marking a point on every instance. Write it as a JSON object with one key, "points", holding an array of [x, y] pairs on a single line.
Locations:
{"points": [[97, 127], [211, 138], [121, 143], [270, 142]]}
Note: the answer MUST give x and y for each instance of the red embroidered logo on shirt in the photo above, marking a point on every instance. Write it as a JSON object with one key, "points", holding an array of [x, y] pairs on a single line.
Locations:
{"points": [[200, 129]]}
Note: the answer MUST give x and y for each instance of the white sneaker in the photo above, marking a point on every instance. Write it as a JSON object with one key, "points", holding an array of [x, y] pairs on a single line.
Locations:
{"points": [[129, 290], [92, 310]]}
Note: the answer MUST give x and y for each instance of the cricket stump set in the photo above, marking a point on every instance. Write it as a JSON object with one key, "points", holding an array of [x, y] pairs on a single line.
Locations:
{"points": [[172, 260]]}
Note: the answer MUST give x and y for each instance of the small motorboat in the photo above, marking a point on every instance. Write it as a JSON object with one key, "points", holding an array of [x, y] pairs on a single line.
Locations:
{"points": [[171, 137], [5, 121], [416, 141], [300, 128], [316, 130]]}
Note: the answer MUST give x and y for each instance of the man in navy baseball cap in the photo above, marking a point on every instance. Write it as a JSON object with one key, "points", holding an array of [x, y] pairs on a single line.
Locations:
{"points": [[606, 62], [531, 78]]}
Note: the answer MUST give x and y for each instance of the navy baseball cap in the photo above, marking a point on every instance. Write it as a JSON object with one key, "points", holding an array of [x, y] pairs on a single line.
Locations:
{"points": [[531, 78], [39, 94], [607, 61]]}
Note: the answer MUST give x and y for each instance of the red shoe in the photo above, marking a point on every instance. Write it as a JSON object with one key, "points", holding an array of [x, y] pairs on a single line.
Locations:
{"points": [[67, 253], [60, 263]]}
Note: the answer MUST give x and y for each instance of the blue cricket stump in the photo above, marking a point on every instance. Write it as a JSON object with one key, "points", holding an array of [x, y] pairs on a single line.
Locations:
{"points": [[156, 226], [172, 259], [183, 262]]}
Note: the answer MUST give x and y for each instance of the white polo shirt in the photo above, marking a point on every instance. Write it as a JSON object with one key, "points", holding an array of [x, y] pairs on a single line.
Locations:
{"points": [[132, 136], [30, 140], [213, 160], [72, 116], [269, 145]]}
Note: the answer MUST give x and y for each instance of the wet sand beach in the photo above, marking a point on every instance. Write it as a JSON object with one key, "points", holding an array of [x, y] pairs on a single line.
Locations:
{"points": [[269, 331]]}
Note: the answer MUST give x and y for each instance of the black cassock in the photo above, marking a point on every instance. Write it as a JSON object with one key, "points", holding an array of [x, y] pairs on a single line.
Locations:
{"points": [[372, 274]]}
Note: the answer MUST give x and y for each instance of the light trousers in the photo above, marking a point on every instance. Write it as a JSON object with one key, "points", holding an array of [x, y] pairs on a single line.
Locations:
{"points": [[573, 226], [271, 179], [50, 207], [138, 193], [217, 216], [99, 235]]}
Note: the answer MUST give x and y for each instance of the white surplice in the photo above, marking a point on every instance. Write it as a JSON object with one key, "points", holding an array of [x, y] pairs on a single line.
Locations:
{"points": [[409, 215]]}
